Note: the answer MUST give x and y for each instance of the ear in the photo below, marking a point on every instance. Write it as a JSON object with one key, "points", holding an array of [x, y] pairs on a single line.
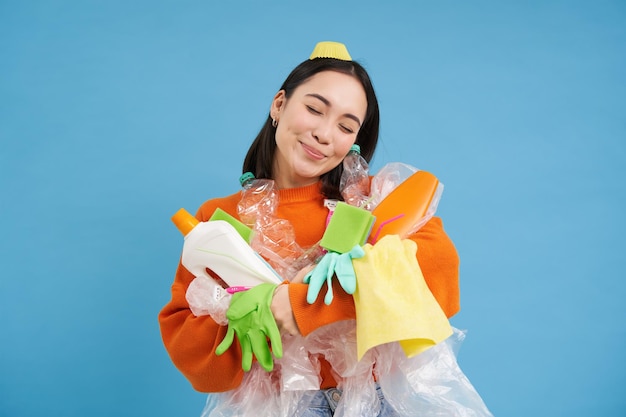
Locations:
{"points": [[278, 104]]}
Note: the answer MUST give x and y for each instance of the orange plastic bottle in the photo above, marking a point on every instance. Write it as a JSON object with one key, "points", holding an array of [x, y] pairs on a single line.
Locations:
{"points": [[407, 207]]}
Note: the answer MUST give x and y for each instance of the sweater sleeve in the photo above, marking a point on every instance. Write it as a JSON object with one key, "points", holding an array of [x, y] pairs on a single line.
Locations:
{"points": [[312, 316], [439, 262], [191, 341]]}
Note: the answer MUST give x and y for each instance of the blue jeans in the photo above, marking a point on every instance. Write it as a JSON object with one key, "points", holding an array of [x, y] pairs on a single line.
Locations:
{"points": [[324, 402]]}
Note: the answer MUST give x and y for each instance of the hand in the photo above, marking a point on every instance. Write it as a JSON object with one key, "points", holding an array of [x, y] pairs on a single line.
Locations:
{"points": [[282, 311], [250, 318], [299, 278], [333, 263]]}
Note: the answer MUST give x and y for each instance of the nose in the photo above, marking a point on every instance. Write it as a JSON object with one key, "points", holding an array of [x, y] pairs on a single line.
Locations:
{"points": [[322, 132]]}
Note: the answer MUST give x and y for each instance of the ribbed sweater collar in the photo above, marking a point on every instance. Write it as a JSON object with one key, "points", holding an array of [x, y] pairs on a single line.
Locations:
{"points": [[294, 195]]}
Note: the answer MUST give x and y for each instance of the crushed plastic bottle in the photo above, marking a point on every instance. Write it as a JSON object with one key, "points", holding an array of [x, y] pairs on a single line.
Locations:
{"points": [[355, 182], [273, 238], [259, 200]]}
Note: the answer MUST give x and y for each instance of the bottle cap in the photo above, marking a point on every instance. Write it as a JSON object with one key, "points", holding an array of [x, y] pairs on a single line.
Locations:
{"points": [[184, 221], [356, 148], [245, 177]]}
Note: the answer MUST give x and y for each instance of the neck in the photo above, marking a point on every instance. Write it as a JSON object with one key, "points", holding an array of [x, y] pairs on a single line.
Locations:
{"points": [[282, 184], [287, 180]]}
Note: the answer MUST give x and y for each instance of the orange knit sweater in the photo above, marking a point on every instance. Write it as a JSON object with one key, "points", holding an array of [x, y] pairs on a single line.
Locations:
{"points": [[191, 341]]}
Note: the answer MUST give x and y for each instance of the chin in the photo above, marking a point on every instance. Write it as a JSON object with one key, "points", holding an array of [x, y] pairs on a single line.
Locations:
{"points": [[309, 174]]}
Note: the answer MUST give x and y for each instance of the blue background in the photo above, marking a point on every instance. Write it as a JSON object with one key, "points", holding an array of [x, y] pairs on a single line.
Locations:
{"points": [[114, 114]]}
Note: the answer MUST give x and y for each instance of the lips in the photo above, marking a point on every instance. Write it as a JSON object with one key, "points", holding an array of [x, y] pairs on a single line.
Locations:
{"points": [[312, 152]]}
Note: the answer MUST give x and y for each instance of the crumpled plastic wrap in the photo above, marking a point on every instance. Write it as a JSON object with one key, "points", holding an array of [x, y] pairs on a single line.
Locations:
{"points": [[258, 395], [430, 384], [207, 297], [299, 368]]}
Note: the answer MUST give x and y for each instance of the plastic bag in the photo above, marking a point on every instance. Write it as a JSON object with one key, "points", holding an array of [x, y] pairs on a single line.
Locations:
{"points": [[259, 395], [427, 385], [430, 384], [207, 297]]}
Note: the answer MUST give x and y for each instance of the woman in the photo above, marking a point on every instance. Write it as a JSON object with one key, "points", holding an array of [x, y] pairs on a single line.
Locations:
{"points": [[325, 105]]}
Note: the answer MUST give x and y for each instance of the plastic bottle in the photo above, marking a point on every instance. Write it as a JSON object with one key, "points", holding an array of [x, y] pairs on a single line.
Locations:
{"points": [[273, 238], [407, 207], [217, 245], [259, 200], [355, 183]]}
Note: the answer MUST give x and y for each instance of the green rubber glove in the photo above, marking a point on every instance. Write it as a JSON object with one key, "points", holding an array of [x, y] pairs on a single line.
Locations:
{"points": [[333, 263], [251, 319]]}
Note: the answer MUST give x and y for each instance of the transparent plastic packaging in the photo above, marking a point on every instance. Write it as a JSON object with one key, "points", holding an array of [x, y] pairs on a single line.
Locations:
{"points": [[207, 297], [299, 370], [258, 395], [427, 385], [355, 181]]}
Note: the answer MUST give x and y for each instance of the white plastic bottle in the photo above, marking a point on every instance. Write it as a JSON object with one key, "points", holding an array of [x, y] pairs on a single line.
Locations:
{"points": [[217, 245]]}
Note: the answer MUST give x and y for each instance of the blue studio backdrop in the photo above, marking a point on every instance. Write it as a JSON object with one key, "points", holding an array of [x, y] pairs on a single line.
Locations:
{"points": [[115, 114]]}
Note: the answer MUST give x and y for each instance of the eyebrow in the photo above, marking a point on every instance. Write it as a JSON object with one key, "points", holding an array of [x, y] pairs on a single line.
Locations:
{"points": [[326, 102]]}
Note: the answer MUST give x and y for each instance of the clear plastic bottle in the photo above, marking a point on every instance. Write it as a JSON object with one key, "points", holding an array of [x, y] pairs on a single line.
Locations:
{"points": [[273, 238], [355, 182], [259, 200]]}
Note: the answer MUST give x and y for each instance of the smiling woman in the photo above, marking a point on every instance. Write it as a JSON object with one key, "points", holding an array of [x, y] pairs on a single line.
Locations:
{"points": [[325, 106], [260, 159], [316, 127]]}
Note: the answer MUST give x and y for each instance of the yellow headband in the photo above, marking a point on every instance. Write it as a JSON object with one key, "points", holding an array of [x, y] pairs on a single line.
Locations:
{"points": [[331, 50]]}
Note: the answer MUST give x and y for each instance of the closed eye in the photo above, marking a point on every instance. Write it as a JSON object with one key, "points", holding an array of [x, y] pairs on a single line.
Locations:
{"points": [[328, 104], [313, 110], [346, 129]]}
